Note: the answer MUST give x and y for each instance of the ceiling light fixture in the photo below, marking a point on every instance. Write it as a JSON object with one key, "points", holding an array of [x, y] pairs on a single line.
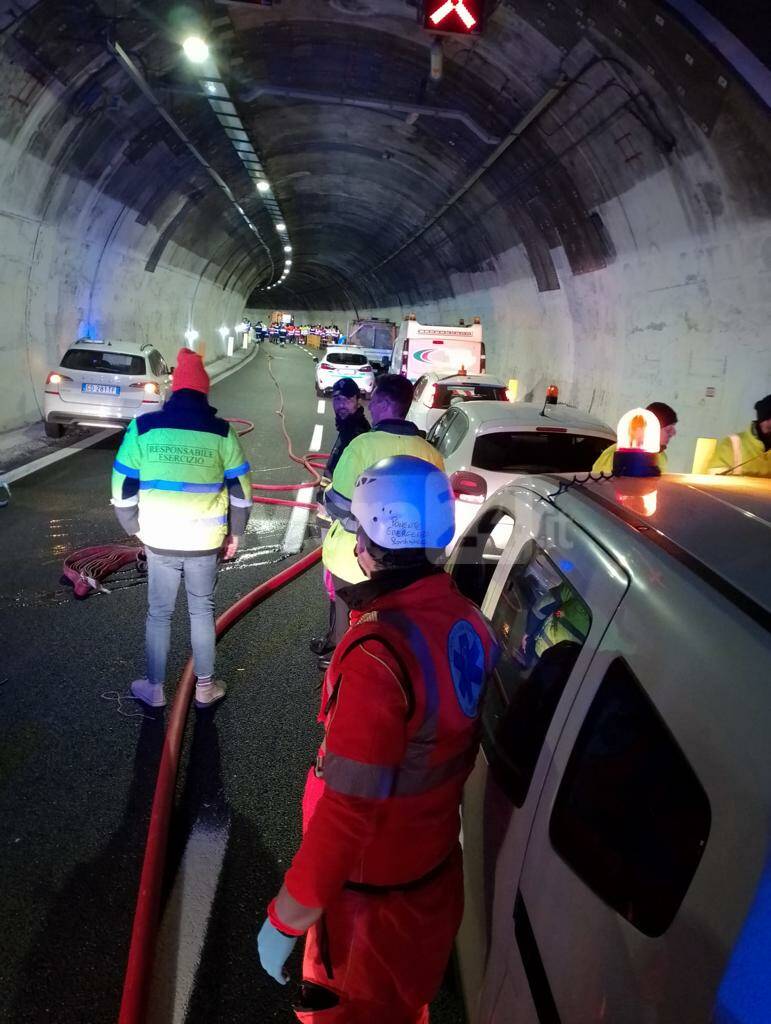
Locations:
{"points": [[196, 49], [281, 226], [263, 186]]}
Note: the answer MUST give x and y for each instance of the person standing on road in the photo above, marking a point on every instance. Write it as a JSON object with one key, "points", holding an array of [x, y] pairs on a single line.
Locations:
{"points": [[350, 422], [391, 434], [181, 484], [667, 418], [377, 883], [748, 453]]}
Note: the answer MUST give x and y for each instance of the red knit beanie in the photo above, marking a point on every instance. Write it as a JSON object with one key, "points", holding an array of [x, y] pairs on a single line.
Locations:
{"points": [[189, 372]]}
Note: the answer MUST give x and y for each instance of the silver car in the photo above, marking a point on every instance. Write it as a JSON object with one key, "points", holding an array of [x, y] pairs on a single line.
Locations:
{"points": [[488, 444], [102, 384]]}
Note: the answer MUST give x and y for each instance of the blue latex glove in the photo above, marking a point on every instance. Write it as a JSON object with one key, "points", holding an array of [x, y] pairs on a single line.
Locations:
{"points": [[274, 948]]}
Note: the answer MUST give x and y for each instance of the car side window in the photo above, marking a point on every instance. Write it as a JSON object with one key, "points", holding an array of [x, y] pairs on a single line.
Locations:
{"points": [[154, 359], [420, 385], [479, 551], [436, 434], [452, 437], [541, 624], [631, 817]]}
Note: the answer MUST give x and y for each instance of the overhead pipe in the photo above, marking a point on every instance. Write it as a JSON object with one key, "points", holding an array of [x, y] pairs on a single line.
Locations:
{"points": [[561, 86], [386, 106]]}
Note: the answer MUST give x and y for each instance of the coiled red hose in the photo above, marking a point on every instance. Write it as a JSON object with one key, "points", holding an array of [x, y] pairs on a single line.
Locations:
{"points": [[147, 911]]}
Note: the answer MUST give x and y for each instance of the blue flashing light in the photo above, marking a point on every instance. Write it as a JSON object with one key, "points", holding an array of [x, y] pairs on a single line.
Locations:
{"points": [[744, 996], [565, 565]]}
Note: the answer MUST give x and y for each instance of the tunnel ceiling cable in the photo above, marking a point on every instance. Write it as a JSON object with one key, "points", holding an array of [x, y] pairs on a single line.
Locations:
{"points": [[663, 137], [142, 84], [148, 905]]}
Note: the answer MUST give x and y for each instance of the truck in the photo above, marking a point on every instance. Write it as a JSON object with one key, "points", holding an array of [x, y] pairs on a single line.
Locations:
{"points": [[375, 337], [420, 348]]}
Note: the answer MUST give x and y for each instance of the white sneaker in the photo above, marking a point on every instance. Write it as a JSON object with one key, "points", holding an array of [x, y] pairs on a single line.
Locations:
{"points": [[149, 693], [209, 693]]}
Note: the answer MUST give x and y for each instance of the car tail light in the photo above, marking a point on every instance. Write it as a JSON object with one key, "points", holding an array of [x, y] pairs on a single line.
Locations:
{"points": [[432, 403], [149, 386], [53, 380], [510, 396], [366, 368], [403, 370], [326, 366], [469, 487], [482, 357]]}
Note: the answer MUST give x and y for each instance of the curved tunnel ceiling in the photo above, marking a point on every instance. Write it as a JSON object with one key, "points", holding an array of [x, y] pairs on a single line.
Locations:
{"points": [[389, 183]]}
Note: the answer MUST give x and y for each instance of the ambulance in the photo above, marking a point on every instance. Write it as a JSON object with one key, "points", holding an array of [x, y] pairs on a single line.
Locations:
{"points": [[422, 348]]}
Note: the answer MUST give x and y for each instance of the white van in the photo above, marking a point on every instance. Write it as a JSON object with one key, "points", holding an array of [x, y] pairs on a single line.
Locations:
{"points": [[616, 824], [421, 348]]}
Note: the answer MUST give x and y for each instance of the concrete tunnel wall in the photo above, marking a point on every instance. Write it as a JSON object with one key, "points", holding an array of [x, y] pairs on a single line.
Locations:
{"points": [[685, 307], [73, 262]]}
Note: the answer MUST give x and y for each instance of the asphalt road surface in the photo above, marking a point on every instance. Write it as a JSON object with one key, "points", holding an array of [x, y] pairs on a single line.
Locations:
{"points": [[77, 765]]}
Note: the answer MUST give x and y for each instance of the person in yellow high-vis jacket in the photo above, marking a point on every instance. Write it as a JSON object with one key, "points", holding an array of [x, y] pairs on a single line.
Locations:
{"points": [[748, 453], [391, 434], [667, 418]]}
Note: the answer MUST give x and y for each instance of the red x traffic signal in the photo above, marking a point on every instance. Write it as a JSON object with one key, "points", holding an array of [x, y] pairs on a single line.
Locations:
{"points": [[462, 17]]}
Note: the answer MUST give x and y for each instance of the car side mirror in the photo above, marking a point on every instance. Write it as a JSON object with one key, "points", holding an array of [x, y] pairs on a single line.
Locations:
{"points": [[315, 359], [171, 369]]}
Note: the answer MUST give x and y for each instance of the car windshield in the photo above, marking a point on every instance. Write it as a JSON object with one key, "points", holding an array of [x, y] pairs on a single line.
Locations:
{"points": [[346, 358], [445, 393], [537, 452], [103, 361]]}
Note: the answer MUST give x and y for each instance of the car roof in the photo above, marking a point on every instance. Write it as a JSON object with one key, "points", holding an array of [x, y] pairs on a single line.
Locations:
{"points": [[717, 526], [468, 378], [346, 348], [525, 414], [127, 347]]}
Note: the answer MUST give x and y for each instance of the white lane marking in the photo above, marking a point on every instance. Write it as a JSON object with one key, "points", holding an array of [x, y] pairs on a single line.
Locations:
{"points": [[322, 406], [63, 453], [87, 442], [298, 520], [185, 920], [318, 432]]}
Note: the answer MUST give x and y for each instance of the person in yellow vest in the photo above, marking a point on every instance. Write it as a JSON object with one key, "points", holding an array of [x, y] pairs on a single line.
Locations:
{"points": [[667, 418], [391, 434], [748, 453]]}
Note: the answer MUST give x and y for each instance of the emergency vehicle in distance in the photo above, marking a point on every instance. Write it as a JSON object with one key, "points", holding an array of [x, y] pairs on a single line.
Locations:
{"points": [[421, 348], [374, 337], [617, 856]]}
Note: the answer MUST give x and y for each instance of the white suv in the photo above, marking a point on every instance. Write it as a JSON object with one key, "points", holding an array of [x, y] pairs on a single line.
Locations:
{"points": [[344, 361], [102, 384]]}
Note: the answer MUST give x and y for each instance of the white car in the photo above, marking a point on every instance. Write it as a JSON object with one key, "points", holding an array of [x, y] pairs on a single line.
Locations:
{"points": [[436, 392], [616, 849], [102, 384], [488, 444], [344, 361]]}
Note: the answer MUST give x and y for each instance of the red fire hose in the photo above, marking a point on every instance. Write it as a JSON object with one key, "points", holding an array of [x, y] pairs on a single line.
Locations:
{"points": [[147, 911]]}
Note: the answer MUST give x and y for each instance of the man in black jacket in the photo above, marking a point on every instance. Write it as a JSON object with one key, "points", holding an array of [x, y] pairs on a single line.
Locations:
{"points": [[350, 422], [349, 419]]}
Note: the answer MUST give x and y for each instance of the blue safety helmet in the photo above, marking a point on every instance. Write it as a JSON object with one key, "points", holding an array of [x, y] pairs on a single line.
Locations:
{"points": [[405, 502]]}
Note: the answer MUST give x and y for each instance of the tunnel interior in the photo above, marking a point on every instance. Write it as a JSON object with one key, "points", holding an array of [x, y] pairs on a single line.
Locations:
{"points": [[591, 180]]}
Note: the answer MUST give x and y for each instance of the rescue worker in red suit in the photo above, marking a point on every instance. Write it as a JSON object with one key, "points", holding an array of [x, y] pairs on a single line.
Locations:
{"points": [[377, 884]]}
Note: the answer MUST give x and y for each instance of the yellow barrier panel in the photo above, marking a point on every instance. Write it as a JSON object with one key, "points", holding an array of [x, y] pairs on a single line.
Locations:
{"points": [[702, 453], [513, 388]]}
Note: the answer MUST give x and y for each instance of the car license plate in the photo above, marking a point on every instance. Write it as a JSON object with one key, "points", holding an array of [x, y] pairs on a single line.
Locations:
{"points": [[100, 389]]}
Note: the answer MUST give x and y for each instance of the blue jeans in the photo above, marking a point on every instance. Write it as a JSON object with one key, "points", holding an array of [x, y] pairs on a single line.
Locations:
{"points": [[164, 573]]}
